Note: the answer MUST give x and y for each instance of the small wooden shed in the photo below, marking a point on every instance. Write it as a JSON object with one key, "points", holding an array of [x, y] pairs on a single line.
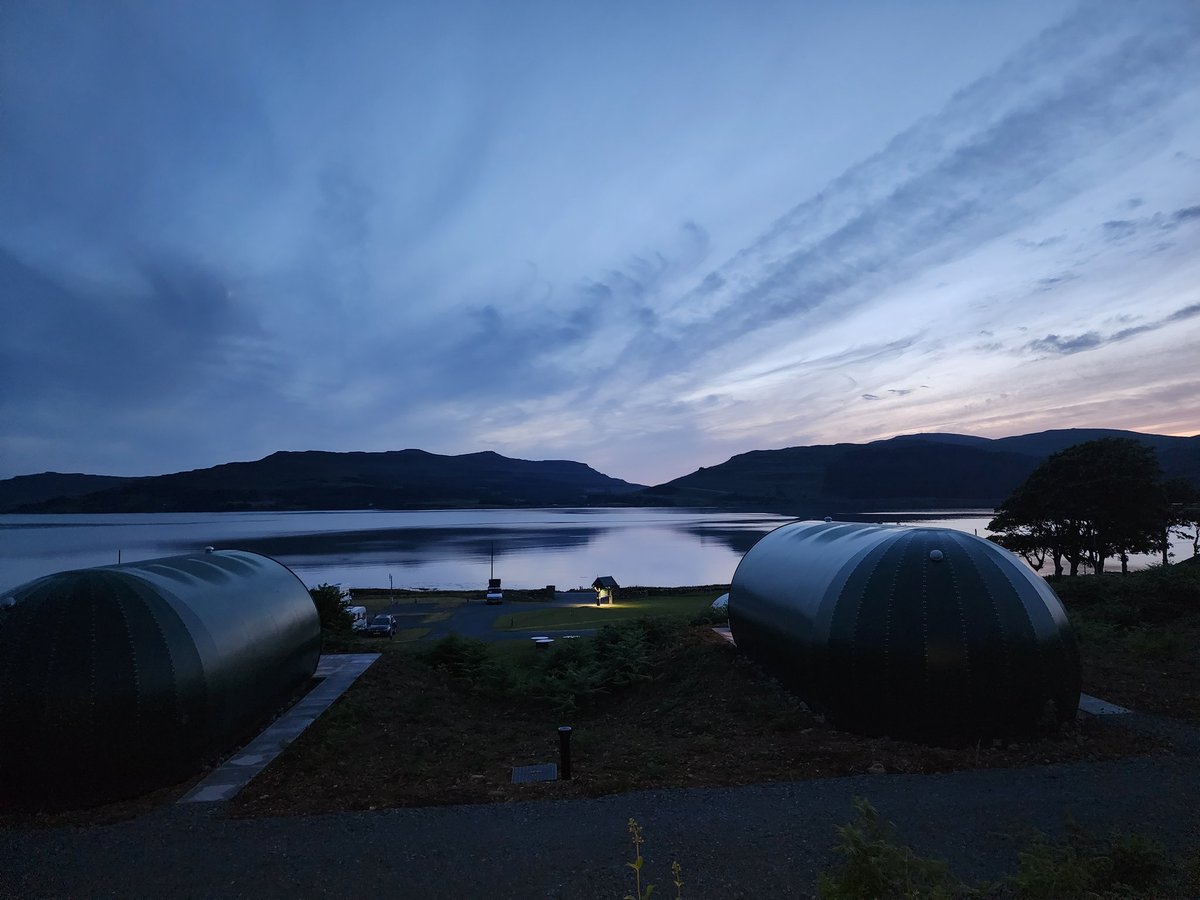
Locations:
{"points": [[606, 588]]}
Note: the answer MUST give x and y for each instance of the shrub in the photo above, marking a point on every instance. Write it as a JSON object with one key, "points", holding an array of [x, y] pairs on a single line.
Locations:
{"points": [[1157, 643], [623, 652], [577, 672], [331, 607], [1092, 632], [1136, 860], [1053, 872], [571, 676], [1117, 612], [567, 676], [460, 657], [711, 617], [875, 865], [1155, 595], [1084, 867]]}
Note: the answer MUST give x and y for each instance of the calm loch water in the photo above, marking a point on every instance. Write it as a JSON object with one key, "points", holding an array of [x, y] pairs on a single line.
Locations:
{"points": [[450, 549]]}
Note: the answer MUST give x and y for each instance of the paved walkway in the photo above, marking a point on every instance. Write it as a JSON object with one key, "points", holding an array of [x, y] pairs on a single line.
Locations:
{"points": [[338, 672]]}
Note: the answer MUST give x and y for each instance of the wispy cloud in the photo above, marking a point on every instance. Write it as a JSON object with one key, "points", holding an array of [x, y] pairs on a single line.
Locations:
{"points": [[1053, 343], [264, 226], [1066, 344], [951, 181]]}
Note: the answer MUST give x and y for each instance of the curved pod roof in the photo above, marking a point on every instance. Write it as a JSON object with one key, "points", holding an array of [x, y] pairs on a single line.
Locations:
{"points": [[921, 632], [125, 678]]}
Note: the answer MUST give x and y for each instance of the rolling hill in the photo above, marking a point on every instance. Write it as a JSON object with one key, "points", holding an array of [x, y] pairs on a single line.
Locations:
{"points": [[927, 471], [923, 471], [400, 479]]}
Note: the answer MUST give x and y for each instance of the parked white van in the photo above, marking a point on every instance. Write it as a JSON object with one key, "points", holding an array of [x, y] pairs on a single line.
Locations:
{"points": [[358, 616]]}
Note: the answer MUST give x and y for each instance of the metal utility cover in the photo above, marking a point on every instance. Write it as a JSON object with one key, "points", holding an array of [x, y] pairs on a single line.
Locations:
{"points": [[541, 772]]}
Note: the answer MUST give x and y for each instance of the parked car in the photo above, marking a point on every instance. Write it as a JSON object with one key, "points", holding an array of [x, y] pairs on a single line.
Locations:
{"points": [[382, 625]]}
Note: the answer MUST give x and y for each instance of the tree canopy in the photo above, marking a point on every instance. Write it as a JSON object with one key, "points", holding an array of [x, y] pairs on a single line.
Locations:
{"points": [[330, 601], [1086, 504]]}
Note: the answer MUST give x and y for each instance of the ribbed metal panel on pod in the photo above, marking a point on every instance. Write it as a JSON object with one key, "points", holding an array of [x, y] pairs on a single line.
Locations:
{"points": [[926, 633], [122, 679]]}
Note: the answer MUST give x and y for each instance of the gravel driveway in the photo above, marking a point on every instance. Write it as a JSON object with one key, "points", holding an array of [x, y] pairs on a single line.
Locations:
{"points": [[758, 841], [475, 619]]}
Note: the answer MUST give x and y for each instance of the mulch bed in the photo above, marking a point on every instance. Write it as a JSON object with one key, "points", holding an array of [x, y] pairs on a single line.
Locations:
{"points": [[408, 735]]}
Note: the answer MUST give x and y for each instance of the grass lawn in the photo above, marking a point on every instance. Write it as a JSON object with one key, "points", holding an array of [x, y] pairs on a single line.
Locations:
{"points": [[674, 606], [388, 600], [410, 634], [379, 599]]}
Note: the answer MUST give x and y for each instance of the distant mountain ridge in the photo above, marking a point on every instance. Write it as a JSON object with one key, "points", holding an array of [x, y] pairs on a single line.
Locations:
{"points": [[314, 479], [29, 490], [927, 471]]}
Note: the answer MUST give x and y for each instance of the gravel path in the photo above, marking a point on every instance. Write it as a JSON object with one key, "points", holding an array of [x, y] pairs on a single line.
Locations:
{"points": [[757, 841]]}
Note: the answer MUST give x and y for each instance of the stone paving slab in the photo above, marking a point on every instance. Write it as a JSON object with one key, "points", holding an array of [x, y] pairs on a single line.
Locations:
{"points": [[338, 671], [1097, 707]]}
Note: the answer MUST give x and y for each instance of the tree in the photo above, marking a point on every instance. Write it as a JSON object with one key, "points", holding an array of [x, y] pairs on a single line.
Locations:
{"points": [[1025, 525], [1086, 504], [1183, 517], [330, 601]]}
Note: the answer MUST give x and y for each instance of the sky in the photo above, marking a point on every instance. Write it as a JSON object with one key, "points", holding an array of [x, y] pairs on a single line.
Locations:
{"points": [[646, 236]]}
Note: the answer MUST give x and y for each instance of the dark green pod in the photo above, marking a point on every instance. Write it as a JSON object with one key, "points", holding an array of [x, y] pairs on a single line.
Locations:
{"points": [[927, 633], [118, 680]]}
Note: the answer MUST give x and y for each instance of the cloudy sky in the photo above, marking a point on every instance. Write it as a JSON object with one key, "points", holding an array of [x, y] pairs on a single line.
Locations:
{"points": [[642, 235]]}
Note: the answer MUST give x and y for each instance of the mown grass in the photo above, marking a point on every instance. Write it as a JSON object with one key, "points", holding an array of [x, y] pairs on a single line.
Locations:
{"points": [[380, 599], [683, 606], [403, 635]]}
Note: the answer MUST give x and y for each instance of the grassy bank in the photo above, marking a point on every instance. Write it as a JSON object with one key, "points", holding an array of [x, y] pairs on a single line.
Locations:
{"points": [[1138, 636]]}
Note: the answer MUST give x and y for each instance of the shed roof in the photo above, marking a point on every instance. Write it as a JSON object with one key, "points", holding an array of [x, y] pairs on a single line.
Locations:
{"points": [[605, 581]]}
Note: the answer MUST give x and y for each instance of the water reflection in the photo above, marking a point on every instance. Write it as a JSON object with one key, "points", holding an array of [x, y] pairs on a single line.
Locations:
{"points": [[428, 548], [976, 521], [417, 545], [737, 540], [437, 548]]}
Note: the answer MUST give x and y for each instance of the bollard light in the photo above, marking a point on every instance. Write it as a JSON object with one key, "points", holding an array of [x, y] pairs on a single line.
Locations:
{"points": [[564, 752]]}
